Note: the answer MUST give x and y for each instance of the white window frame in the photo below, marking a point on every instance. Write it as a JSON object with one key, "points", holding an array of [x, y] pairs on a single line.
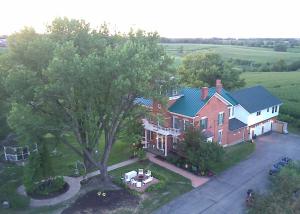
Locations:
{"points": [[203, 118], [220, 124]]}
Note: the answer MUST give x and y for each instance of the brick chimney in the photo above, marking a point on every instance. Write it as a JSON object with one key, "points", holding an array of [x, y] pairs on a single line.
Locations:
{"points": [[204, 93], [218, 86]]}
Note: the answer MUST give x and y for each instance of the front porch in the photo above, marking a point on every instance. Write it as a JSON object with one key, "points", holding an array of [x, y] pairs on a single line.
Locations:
{"points": [[158, 139]]}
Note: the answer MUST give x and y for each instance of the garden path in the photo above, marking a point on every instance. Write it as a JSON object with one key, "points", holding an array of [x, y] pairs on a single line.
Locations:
{"points": [[74, 186], [196, 180]]}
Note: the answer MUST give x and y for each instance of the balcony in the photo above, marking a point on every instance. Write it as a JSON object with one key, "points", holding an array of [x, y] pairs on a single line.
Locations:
{"points": [[160, 130]]}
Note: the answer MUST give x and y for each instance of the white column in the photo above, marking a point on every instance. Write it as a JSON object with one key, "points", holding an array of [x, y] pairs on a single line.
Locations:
{"points": [[5, 153], [166, 145], [157, 140], [146, 140]]}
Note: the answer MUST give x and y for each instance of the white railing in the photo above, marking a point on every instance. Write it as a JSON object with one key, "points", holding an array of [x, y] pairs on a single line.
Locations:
{"points": [[160, 129]]}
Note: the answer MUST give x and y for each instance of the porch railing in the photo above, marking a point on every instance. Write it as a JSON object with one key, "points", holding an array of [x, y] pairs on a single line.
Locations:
{"points": [[160, 129]]}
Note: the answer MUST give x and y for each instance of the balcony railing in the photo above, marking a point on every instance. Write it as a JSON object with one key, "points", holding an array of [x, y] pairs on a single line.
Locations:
{"points": [[160, 129]]}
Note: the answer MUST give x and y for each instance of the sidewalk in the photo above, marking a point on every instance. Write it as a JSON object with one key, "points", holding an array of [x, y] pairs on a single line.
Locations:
{"points": [[196, 180], [74, 186]]}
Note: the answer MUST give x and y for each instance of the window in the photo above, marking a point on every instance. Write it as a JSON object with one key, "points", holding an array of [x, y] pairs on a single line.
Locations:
{"points": [[158, 106], [275, 108], [187, 124], [203, 123], [258, 113], [221, 118], [267, 109], [178, 124]]}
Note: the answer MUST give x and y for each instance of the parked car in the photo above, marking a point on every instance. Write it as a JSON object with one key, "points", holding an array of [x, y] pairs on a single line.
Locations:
{"points": [[277, 166], [286, 160]]}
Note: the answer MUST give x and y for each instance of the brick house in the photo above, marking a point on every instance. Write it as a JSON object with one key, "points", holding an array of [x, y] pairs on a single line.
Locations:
{"points": [[224, 117]]}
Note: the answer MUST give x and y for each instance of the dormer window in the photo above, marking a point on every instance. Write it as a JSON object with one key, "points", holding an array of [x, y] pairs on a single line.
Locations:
{"points": [[174, 92], [158, 106], [258, 113]]}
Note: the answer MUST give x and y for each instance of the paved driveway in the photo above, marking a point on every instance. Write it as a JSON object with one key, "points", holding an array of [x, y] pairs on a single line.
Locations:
{"points": [[227, 192]]}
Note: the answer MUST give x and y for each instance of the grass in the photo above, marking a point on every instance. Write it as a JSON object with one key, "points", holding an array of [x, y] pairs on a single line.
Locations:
{"points": [[259, 55], [11, 175], [233, 155], [175, 185], [65, 160]]}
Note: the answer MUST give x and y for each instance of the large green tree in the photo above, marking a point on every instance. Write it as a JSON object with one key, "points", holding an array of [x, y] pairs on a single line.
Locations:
{"points": [[75, 80], [202, 69]]}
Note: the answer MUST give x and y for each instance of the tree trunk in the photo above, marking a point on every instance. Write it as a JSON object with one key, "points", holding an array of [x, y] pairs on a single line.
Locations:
{"points": [[88, 164], [104, 174]]}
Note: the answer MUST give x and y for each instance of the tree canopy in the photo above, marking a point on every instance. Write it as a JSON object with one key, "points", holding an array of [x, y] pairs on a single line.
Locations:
{"points": [[80, 81], [202, 69]]}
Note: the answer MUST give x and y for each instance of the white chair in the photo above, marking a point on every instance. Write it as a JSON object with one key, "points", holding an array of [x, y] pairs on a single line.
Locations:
{"points": [[133, 182], [148, 180], [148, 173], [130, 175], [139, 184], [141, 172]]}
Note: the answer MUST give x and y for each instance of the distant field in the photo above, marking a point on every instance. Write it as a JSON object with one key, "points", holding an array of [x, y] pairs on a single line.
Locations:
{"points": [[285, 85], [260, 55]]}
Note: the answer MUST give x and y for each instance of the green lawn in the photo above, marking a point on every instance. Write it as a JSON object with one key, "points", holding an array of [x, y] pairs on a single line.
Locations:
{"points": [[233, 155], [11, 176], [175, 185], [65, 160], [260, 55]]}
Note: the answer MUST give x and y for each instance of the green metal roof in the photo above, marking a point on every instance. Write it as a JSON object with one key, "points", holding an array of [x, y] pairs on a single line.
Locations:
{"points": [[190, 102]]}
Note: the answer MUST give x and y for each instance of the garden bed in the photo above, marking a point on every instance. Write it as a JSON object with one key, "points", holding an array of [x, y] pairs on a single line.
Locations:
{"points": [[102, 202], [61, 191]]}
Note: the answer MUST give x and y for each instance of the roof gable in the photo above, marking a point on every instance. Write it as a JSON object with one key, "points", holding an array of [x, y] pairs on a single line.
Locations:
{"points": [[255, 98]]}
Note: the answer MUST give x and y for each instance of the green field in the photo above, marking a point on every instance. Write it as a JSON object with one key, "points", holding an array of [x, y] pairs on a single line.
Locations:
{"points": [[285, 85], [259, 55]]}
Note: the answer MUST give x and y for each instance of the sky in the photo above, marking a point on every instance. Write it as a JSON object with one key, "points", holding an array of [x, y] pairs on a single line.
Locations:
{"points": [[170, 18]]}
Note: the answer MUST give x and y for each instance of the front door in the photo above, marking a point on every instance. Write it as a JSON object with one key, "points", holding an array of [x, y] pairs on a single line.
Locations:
{"points": [[220, 135]]}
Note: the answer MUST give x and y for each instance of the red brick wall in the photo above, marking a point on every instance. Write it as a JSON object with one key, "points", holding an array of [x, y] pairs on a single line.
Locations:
{"points": [[237, 136], [211, 111]]}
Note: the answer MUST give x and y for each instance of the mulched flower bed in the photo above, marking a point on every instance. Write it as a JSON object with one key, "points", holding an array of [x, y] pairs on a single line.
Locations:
{"points": [[92, 202], [64, 189]]}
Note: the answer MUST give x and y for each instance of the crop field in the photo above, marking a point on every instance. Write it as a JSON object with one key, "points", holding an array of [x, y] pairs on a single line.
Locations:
{"points": [[285, 85], [259, 55]]}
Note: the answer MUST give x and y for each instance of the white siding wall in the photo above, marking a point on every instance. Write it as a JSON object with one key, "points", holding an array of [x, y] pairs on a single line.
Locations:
{"points": [[241, 114], [265, 115]]}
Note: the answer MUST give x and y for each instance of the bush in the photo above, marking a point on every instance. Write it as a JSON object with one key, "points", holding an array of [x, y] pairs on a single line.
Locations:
{"points": [[8, 193], [48, 186], [141, 154]]}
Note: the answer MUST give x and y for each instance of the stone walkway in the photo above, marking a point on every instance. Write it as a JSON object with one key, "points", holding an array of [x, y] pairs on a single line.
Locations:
{"points": [[74, 186], [196, 180]]}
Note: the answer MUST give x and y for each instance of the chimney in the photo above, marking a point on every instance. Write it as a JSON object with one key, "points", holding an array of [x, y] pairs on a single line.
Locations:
{"points": [[218, 86], [204, 93]]}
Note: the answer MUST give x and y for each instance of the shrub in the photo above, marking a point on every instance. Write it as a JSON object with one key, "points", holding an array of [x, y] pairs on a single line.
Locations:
{"points": [[48, 186], [141, 154]]}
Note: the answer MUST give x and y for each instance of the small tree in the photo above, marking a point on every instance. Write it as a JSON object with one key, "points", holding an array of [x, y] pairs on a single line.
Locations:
{"points": [[198, 151], [39, 168]]}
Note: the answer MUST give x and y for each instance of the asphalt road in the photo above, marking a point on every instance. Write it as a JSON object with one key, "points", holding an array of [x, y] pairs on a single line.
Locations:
{"points": [[226, 193]]}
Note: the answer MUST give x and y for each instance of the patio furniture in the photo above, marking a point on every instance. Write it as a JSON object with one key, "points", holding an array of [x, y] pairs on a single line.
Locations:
{"points": [[141, 172], [133, 181], [130, 175], [148, 173], [148, 180], [139, 184]]}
